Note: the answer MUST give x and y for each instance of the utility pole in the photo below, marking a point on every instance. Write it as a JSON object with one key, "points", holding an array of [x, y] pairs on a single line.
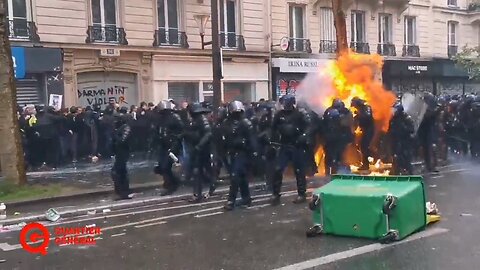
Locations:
{"points": [[11, 151], [216, 57], [340, 26]]}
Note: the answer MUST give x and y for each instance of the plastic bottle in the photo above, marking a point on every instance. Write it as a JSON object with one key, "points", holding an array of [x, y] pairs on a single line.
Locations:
{"points": [[3, 211]]}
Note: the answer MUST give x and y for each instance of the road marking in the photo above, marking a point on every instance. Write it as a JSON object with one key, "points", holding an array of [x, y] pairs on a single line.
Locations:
{"points": [[437, 176], [459, 170], [151, 224], [259, 206], [117, 234], [208, 215], [359, 251]]}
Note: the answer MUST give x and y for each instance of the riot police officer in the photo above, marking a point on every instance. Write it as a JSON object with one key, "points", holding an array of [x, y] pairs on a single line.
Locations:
{"points": [[263, 130], [291, 130], [198, 136], [121, 150], [169, 131], [427, 134], [401, 131], [239, 145], [364, 120]]}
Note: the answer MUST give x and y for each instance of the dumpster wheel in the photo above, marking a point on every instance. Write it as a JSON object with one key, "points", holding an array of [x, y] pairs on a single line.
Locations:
{"points": [[389, 237], [314, 203], [316, 230], [389, 204]]}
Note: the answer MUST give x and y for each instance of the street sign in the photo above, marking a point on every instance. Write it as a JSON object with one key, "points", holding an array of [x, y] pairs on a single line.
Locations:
{"points": [[18, 58], [284, 44]]}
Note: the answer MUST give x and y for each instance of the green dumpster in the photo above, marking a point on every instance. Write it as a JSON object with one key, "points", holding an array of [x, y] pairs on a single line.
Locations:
{"points": [[385, 208]]}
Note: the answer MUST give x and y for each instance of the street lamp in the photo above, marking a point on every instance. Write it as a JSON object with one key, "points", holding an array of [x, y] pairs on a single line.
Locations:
{"points": [[202, 20]]}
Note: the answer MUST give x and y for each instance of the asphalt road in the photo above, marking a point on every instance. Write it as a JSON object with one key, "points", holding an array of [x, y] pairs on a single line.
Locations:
{"points": [[178, 235]]}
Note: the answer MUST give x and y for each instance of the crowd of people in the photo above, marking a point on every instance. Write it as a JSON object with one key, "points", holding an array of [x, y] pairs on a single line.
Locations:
{"points": [[260, 138]]}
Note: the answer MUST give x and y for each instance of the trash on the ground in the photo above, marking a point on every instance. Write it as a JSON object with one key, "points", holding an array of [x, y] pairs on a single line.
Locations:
{"points": [[466, 215], [106, 210], [16, 213], [2, 261], [91, 212], [52, 215], [433, 218], [432, 208], [90, 226], [433, 186], [3, 211]]}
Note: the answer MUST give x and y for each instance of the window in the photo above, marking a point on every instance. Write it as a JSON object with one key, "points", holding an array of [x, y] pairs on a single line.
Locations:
{"points": [[17, 18], [385, 29], [181, 92], [238, 91], [452, 33], [104, 18], [228, 23], [328, 37], [297, 34], [358, 27], [410, 35], [452, 3], [168, 21]]}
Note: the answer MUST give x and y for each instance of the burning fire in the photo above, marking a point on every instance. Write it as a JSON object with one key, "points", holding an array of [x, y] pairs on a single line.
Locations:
{"points": [[355, 75]]}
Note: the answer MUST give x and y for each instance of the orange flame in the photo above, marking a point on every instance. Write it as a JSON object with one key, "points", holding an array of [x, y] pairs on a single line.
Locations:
{"points": [[355, 75]]}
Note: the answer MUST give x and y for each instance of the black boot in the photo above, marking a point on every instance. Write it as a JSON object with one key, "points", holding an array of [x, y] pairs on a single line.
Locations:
{"points": [[275, 200], [229, 206], [195, 198], [300, 199]]}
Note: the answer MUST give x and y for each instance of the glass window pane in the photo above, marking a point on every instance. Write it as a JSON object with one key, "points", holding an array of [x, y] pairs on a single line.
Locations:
{"points": [[222, 15], [298, 22], [19, 8], [110, 12], [161, 13], [181, 92], [360, 27], [238, 91], [231, 16], [292, 23], [172, 14], [352, 27], [96, 14]]}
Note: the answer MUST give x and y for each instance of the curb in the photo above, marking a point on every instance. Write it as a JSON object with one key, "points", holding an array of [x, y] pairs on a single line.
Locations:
{"points": [[101, 191]]}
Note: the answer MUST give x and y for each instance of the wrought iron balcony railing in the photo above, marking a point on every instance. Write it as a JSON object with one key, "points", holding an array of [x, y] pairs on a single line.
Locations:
{"points": [[360, 47], [106, 34], [170, 37], [20, 28], [328, 46], [299, 45], [386, 49], [452, 50], [411, 50], [232, 40]]}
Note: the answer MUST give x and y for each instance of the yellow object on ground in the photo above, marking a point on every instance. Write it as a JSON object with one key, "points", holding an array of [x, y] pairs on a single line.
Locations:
{"points": [[432, 218]]}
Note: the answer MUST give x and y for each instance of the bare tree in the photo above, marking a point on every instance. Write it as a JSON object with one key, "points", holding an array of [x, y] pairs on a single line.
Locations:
{"points": [[340, 26], [11, 151]]}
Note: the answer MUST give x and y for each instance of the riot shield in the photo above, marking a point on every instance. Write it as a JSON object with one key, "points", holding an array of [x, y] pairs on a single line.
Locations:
{"points": [[415, 107]]}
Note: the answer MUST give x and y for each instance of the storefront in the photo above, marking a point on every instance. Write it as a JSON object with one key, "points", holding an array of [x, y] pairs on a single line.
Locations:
{"points": [[185, 79], [287, 73], [437, 76], [37, 74], [93, 77]]}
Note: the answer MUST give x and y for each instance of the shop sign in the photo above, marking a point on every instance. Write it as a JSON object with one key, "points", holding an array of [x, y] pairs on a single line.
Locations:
{"points": [[18, 58], [296, 65], [417, 69]]}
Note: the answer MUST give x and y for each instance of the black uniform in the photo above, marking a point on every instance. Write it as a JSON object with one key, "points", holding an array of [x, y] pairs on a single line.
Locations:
{"points": [[121, 149], [427, 133], [169, 132], [291, 128], [239, 145], [401, 132], [198, 136], [364, 120]]}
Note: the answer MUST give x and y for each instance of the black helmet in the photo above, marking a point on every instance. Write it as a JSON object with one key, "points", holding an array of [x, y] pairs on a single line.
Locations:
{"points": [[197, 108], [236, 106], [338, 104], [357, 102], [165, 105], [333, 114], [288, 102], [398, 108]]}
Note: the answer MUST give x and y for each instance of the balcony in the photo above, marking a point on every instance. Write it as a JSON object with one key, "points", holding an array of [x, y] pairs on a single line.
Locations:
{"points": [[232, 41], [23, 30], [328, 46], [170, 37], [411, 50], [299, 45], [106, 34], [452, 50], [386, 49], [360, 47]]}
